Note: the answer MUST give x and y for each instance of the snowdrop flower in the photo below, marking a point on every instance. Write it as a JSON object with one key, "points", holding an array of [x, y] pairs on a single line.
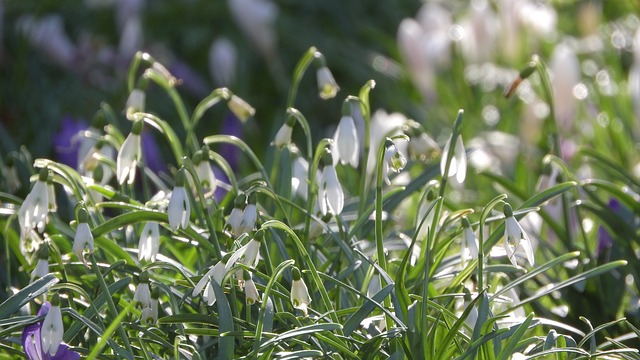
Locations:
{"points": [[203, 169], [240, 108], [345, 141], [565, 70], [330, 195], [216, 273], [52, 328], [250, 257], [515, 238], [42, 268], [283, 136], [35, 207], [90, 162], [458, 167], [83, 239], [299, 174], [327, 86], [421, 145], [235, 218], [142, 296], [32, 341], [135, 103], [300, 298], [149, 315], [249, 215], [179, 208], [256, 18], [51, 194], [223, 58], [394, 160], [149, 243], [469, 242], [129, 155], [250, 290]]}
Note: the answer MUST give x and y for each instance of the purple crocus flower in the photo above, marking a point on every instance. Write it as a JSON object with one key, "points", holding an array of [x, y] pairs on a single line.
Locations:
{"points": [[151, 153], [231, 125], [192, 82], [33, 347], [605, 241]]}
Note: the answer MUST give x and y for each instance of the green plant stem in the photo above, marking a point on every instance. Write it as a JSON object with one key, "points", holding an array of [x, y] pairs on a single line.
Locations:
{"points": [[365, 108], [298, 73], [110, 303], [483, 218]]}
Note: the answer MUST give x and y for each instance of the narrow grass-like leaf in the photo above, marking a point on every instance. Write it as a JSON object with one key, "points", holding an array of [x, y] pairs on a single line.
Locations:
{"points": [[356, 318], [30, 292], [225, 343], [509, 348]]}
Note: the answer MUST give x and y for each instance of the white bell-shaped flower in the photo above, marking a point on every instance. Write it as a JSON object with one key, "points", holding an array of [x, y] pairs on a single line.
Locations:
{"points": [[216, 273], [300, 298], [346, 146], [394, 160], [330, 195], [135, 103], [42, 267], [83, 239], [458, 167], [516, 240], [204, 171], [240, 108], [250, 290], [52, 328], [249, 216], [142, 296], [470, 246], [129, 155], [327, 86], [34, 210], [179, 208], [149, 243], [283, 136]]}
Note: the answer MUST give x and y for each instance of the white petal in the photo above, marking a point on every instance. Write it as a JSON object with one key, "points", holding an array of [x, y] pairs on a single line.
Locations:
{"points": [[127, 159], [443, 160], [333, 191], [249, 218], [52, 331], [461, 161], [179, 209], [234, 221], [83, 239], [149, 243], [346, 141]]}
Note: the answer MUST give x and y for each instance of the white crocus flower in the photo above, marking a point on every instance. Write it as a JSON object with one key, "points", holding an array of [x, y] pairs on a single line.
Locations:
{"points": [[283, 136], [179, 208], [330, 195], [52, 328], [142, 296], [42, 268], [129, 155], [83, 239], [149, 243], [469, 242], [516, 239], [35, 207], [300, 298], [458, 167], [345, 141]]}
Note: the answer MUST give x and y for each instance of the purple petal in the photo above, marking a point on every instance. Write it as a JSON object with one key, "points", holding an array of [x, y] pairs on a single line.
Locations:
{"points": [[231, 126], [65, 141], [151, 153]]}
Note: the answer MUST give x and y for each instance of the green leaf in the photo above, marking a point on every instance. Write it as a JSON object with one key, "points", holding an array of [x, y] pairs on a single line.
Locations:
{"points": [[370, 304], [225, 343], [30, 292]]}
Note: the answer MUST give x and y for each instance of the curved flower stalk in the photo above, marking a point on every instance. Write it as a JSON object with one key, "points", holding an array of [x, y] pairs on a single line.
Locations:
{"points": [[179, 208], [458, 167], [345, 141], [149, 243], [129, 155], [32, 341], [83, 239], [330, 195], [300, 298], [516, 239], [33, 213], [327, 86]]}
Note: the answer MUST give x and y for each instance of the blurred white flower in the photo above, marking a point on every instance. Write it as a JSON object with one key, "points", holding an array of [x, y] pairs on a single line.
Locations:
{"points": [[179, 208], [458, 166], [256, 18], [240, 108], [149, 243], [330, 195], [300, 298], [345, 141], [33, 213], [283, 136], [327, 86], [129, 155], [47, 34], [135, 103], [223, 58], [131, 39], [516, 240], [83, 240], [480, 33], [149, 315], [52, 328], [394, 160], [384, 125], [565, 75], [634, 75], [42, 267]]}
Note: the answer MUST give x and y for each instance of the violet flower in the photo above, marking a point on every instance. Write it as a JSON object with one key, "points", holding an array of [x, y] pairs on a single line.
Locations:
{"points": [[32, 345], [65, 141]]}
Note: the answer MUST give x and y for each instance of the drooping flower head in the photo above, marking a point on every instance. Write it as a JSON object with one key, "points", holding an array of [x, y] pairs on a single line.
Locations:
{"points": [[458, 166], [142, 296], [283, 136], [394, 160], [330, 195], [52, 328], [300, 298], [149, 314], [135, 103], [206, 177], [327, 86], [179, 208], [83, 239], [235, 217], [240, 108], [250, 290], [470, 246], [346, 146], [42, 267], [249, 215], [33, 213], [516, 240], [129, 155], [149, 243]]}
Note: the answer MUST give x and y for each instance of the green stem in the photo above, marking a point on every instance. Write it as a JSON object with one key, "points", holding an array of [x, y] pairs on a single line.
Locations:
{"points": [[483, 218], [298, 73], [110, 303], [363, 96]]}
